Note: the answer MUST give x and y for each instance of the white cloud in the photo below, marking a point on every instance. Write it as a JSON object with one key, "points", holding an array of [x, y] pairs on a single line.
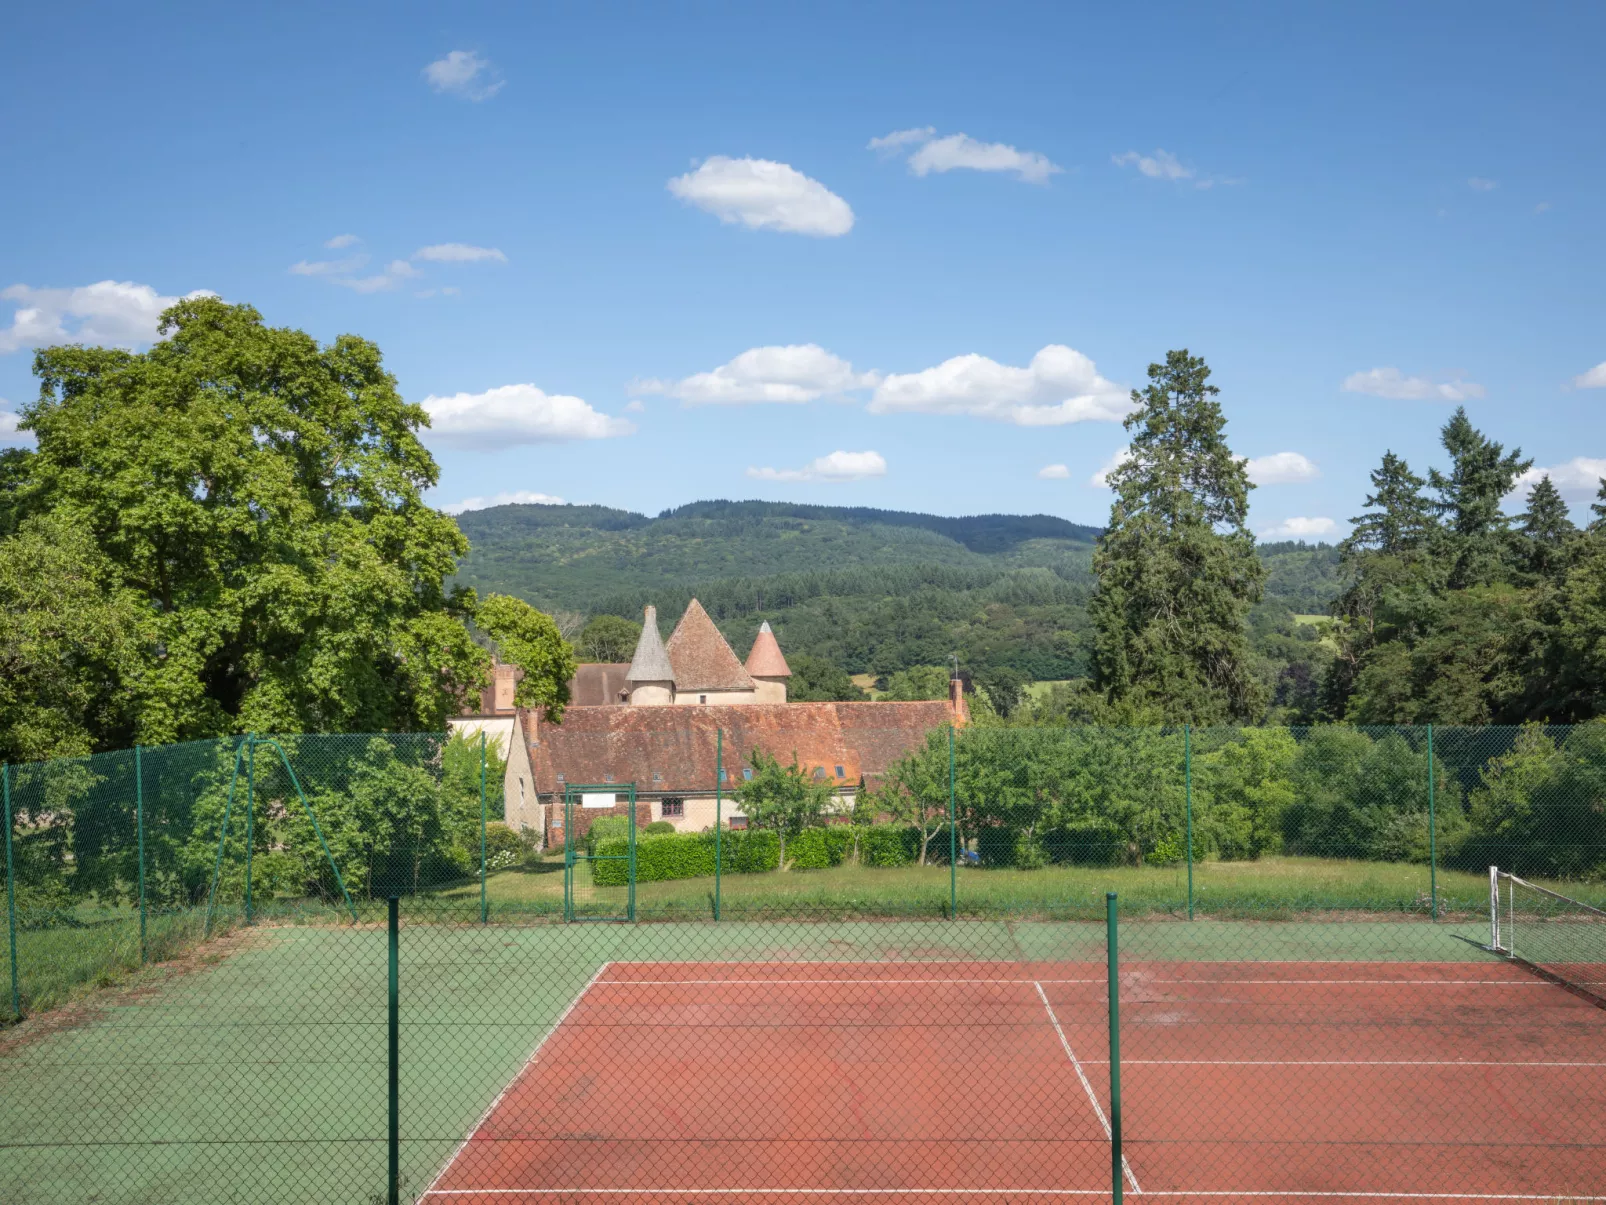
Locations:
{"points": [[459, 253], [517, 414], [1280, 468], [954, 151], [505, 498], [764, 195], [464, 73], [395, 272], [1059, 386], [837, 467], [328, 267], [1595, 378], [341, 241], [794, 373], [109, 312], [636, 406], [1299, 528], [1482, 184], [901, 138], [1394, 385], [1577, 480], [1102, 478], [1054, 472], [1162, 165], [9, 432]]}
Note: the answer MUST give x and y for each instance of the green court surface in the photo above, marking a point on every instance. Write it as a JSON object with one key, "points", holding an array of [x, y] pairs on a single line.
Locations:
{"points": [[262, 1076]]}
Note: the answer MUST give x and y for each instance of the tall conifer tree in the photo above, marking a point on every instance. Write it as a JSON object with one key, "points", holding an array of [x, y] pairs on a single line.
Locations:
{"points": [[1177, 570]]}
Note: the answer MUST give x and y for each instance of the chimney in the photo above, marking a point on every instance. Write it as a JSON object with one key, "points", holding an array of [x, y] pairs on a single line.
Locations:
{"points": [[956, 700]]}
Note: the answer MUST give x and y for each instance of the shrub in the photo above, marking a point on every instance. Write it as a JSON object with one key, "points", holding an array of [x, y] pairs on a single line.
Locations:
{"points": [[606, 828], [1088, 843], [819, 848], [1169, 850], [503, 846], [664, 856], [884, 845], [1001, 846], [658, 826]]}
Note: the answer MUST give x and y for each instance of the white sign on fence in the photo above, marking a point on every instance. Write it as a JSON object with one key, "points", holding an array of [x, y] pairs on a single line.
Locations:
{"points": [[598, 799]]}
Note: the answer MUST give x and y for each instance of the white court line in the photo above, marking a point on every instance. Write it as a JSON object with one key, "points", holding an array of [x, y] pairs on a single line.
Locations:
{"points": [[1091, 1095], [508, 1087], [995, 1192], [1125, 1062]]}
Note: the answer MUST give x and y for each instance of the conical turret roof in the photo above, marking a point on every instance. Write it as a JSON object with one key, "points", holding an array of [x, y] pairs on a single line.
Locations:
{"points": [[651, 662], [766, 661], [701, 657]]}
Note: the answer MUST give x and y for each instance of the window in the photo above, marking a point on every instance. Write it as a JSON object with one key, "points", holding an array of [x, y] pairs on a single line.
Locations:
{"points": [[724, 776], [819, 773], [673, 808], [839, 772], [702, 698], [747, 775], [738, 822], [657, 777]]}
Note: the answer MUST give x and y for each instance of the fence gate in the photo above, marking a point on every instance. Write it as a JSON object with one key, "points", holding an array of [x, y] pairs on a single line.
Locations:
{"points": [[610, 893]]}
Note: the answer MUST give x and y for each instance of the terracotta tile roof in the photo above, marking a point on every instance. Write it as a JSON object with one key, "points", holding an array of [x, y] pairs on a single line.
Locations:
{"points": [[672, 749], [651, 662], [765, 660], [701, 658], [597, 684]]}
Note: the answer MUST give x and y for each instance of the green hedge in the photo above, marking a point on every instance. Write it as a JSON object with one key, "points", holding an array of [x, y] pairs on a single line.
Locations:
{"points": [[820, 848], [606, 828], [664, 856]]}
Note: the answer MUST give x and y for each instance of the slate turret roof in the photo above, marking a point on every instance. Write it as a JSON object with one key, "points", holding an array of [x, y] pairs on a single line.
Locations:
{"points": [[651, 662]]}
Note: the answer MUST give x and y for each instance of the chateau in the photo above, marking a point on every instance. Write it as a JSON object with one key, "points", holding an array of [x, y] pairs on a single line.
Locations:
{"points": [[681, 722]]}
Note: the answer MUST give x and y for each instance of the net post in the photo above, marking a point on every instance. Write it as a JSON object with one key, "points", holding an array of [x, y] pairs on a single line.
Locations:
{"points": [[250, 815], [484, 906], [1187, 785], [1117, 1184], [1494, 907], [11, 897], [719, 806], [1433, 835], [393, 1137], [953, 835], [139, 826]]}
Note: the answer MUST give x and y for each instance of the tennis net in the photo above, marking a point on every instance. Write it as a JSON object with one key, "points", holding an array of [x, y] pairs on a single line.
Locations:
{"points": [[1561, 938]]}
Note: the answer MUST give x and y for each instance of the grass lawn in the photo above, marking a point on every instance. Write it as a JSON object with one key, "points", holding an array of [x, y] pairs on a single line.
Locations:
{"points": [[1270, 888]]}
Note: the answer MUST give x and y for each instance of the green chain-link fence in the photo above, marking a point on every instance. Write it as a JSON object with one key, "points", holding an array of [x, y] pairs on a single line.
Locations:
{"points": [[773, 983]]}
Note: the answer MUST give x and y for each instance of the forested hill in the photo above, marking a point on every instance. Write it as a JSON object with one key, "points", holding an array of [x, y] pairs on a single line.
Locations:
{"points": [[575, 557], [870, 590]]}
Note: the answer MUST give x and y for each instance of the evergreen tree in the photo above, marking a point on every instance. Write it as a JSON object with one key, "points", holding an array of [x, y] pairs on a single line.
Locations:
{"points": [[1399, 519], [1481, 474], [1598, 508], [1547, 531], [1177, 570]]}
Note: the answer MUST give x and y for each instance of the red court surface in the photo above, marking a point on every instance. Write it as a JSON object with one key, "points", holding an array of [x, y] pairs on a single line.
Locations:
{"points": [[767, 1082]]}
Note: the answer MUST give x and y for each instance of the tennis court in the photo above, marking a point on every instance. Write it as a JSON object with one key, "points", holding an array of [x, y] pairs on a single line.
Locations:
{"points": [[771, 1080]]}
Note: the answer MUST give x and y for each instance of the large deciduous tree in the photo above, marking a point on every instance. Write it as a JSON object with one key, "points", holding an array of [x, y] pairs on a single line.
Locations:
{"points": [[242, 541], [1176, 566]]}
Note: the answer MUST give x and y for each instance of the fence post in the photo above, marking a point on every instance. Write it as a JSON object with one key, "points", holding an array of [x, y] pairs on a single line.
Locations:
{"points": [[1433, 834], [485, 913], [1117, 1184], [953, 836], [393, 1144], [250, 814], [11, 897], [719, 806], [1187, 787], [139, 825]]}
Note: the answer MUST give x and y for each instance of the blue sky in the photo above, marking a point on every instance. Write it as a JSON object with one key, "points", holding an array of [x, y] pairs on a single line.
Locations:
{"points": [[569, 223]]}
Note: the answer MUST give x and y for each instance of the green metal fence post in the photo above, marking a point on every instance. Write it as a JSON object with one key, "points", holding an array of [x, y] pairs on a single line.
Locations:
{"points": [[139, 825], [250, 815], [11, 897], [953, 836], [393, 1145], [485, 913], [1117, 1185], [719, 804], [1433, 835], [1187, 786]]}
